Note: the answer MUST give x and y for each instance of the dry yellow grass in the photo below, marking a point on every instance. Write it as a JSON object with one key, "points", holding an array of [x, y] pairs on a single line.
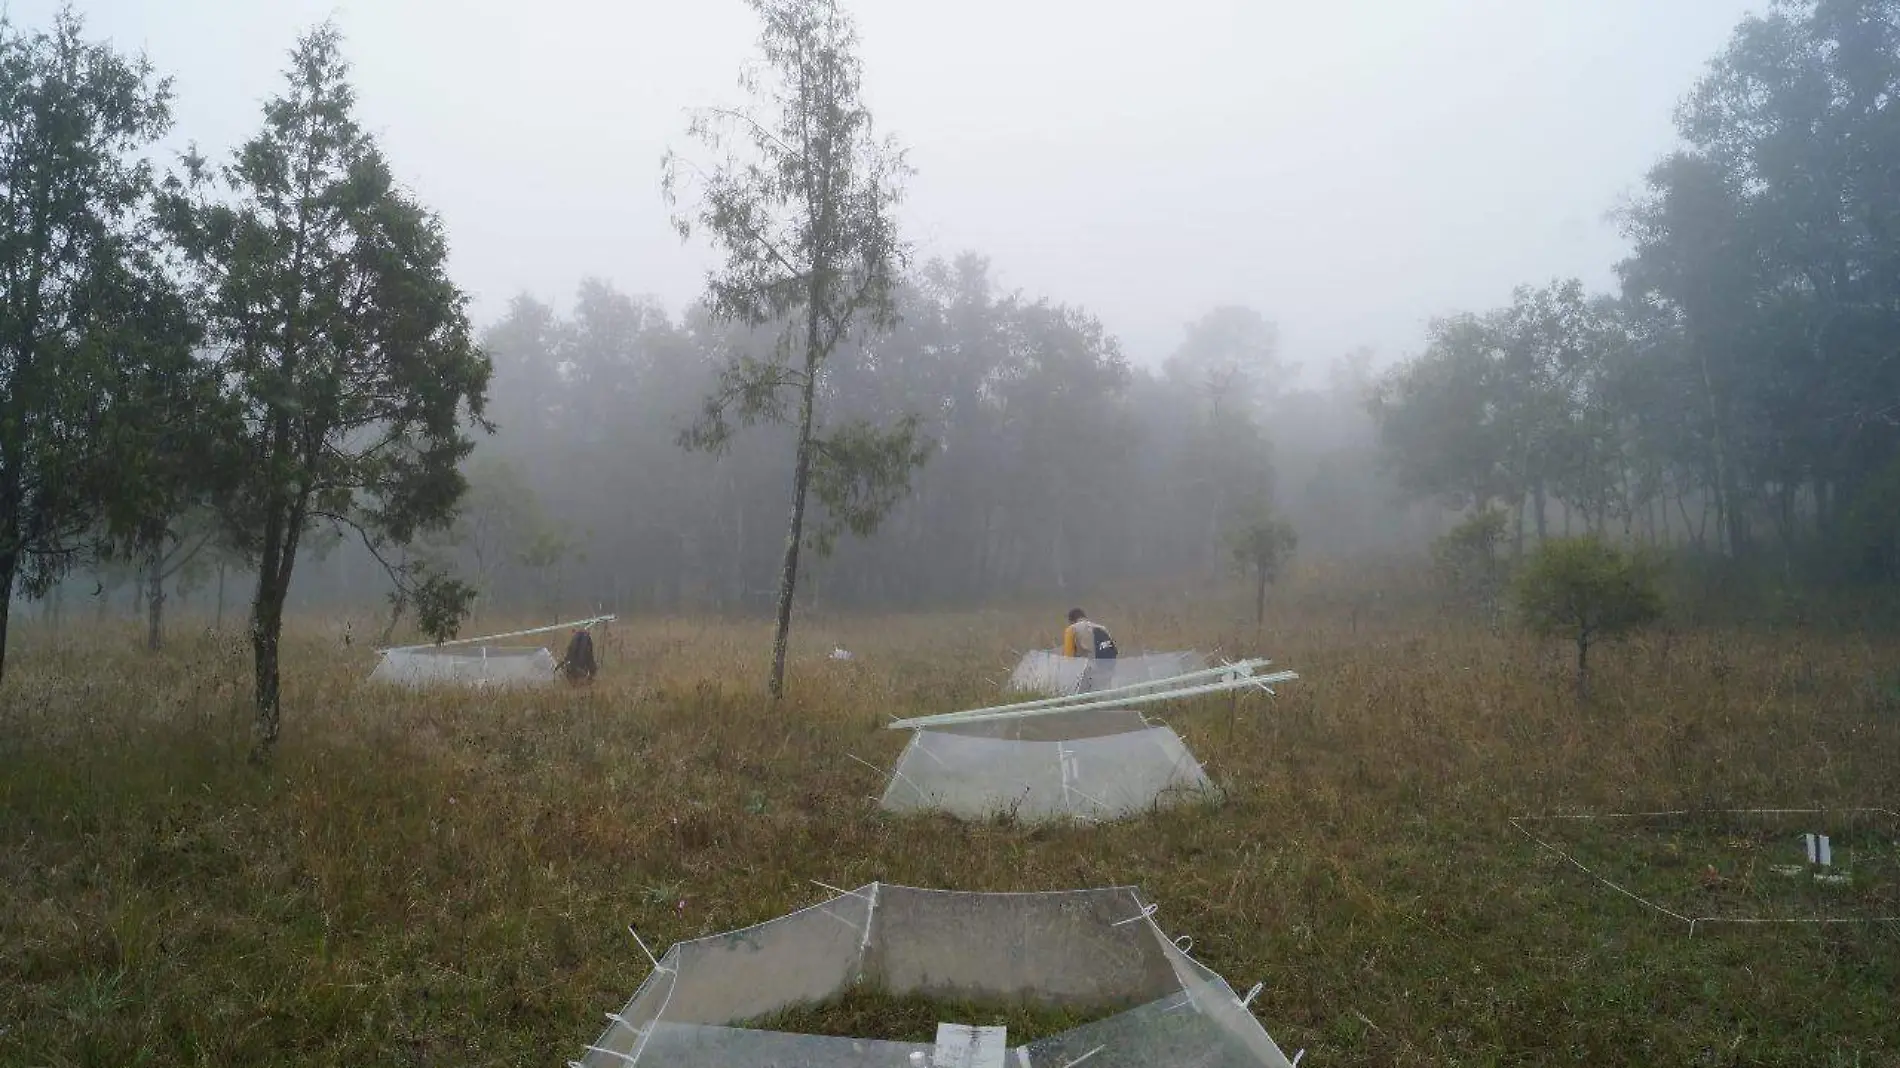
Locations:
{"points": [[448, 877]]}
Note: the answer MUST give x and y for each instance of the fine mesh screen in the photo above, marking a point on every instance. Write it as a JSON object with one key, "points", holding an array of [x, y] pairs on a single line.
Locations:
{"points": [[466, 665], [1044, 672], [1094, 764], [1092, 951], [699, 1046]]}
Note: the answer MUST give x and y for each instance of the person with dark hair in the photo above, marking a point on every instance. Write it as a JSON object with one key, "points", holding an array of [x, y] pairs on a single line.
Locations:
{"points": [[1085, 638], [578, 663]]}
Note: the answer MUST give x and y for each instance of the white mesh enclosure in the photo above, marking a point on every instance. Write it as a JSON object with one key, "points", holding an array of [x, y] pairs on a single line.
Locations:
{"points": [[1085, 953], [1097, 764], [466, 665], [1044, 672]]}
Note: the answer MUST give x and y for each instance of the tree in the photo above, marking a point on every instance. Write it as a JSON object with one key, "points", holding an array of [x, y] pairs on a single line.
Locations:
{"points": [[74, 118], [1261, 546], [1585, 589], [1770, 241], [1465, 559], [811, 247], [165, 441], [344, 344]]}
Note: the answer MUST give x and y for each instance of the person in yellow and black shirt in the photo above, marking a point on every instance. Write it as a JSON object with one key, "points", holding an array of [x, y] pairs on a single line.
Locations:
{"points": [[1085, 638]]}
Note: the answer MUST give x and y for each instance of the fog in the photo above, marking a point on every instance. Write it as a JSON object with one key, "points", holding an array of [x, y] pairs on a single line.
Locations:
{"points": [[1373, 272], [1349, 168]]}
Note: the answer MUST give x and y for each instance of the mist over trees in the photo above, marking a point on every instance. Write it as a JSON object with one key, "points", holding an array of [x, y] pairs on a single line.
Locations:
{"points": [[189, 403], [1738, 396]]}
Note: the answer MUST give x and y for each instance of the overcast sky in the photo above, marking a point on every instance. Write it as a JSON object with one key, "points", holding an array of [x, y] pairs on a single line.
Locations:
{"points": [[1349, 167]]}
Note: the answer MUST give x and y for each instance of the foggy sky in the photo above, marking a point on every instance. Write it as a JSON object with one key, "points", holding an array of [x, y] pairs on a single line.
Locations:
{"points": [[1349, 167]]}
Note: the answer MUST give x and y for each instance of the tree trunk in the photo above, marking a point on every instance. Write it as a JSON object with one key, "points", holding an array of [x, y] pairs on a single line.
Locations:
{"points": [[154, 601], [1543, 522], [1260, 598], [1583, 665], [267, 628], [219, 619], [275, 563], [801, 480], [9, 571]]}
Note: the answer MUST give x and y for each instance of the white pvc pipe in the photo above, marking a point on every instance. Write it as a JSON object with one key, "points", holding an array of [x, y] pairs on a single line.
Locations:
{"points": [[1245, 667], [956, 718]]}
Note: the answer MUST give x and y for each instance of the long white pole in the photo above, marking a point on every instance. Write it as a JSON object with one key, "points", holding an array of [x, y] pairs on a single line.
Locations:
{"points": [[498, 637], [1245, 667], [952, 719]]}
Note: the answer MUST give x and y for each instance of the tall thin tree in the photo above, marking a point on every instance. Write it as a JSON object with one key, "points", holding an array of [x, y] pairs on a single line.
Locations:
{"points": [[804, 218]]}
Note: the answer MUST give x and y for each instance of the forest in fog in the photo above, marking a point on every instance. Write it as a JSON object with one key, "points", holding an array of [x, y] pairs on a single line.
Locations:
{"points": [[1735, 399]]}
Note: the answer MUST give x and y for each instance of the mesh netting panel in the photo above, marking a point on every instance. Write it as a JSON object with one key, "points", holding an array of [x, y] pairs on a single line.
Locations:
{"points": [[802, 958], [1044, 672], [1215, 1001], [805, 957], [626, 1034], [1124, 774], [977, 777], [473, 665], [1065, 949], [1104, 776], [1088, 950], [1054, 727], [1174, 1032], [698, 1046]]}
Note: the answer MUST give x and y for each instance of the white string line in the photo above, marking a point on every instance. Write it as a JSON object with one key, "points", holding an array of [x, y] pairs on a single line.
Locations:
{"points": [[1580, 867], [1693, 922], [497, 637], [1713, 812]]}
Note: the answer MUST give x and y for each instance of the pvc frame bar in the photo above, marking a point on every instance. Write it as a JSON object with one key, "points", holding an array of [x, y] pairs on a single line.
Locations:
{"points": [[1244, 667], [1262, 681]]}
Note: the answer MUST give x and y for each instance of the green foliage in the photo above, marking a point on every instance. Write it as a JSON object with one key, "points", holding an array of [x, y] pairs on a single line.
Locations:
{"points": [[804, 218], [339, 335], [860, 473], [1585, 589], [1467, 560], [1769, 241], [441, 602], [77, 281], [1261, 546]]}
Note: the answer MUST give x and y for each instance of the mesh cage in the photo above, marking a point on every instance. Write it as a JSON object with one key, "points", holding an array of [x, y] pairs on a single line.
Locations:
{"points": [[1093, 951], [466, 665], [1041, 671], [1094, 764]]}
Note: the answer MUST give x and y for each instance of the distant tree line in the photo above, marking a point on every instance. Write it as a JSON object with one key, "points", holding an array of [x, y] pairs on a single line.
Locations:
{"points": [[1055, 467], [1739, 395]]}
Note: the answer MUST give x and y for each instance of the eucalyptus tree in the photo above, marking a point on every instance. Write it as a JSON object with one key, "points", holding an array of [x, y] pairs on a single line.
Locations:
{"points": [[802, 207]]}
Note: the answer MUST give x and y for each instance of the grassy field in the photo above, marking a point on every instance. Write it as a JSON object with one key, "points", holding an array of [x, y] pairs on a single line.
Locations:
{"points": [[448, 878]]}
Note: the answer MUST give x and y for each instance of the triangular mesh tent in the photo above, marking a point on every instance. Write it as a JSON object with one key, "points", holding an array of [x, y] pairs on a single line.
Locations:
{"points": [[480, 662], [1086, 952], [1089, 756], [1045, 672], [466, 665], [1098, 764]]}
